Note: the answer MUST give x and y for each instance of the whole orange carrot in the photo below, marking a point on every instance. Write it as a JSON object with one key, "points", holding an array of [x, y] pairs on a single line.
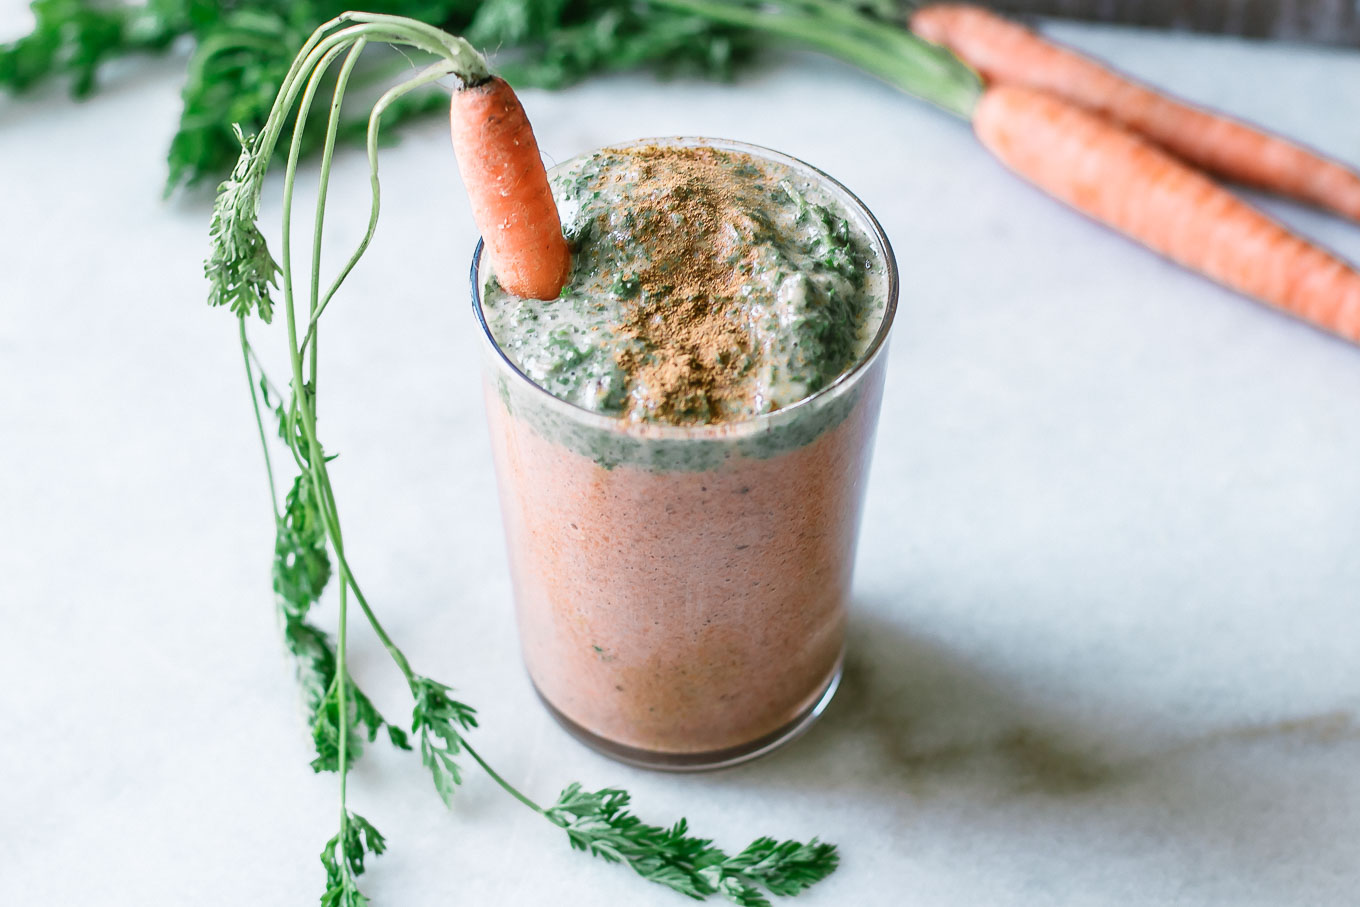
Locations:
{"points": [[1128, 183], [1006, 52], [508, 187]]}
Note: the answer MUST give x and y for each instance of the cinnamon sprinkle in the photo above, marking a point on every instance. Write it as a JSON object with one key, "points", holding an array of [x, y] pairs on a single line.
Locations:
{"points": [[691, 220]]}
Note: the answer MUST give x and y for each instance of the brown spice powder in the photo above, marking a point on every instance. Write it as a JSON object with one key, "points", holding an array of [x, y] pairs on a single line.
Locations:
{"points": [[695, 349]]}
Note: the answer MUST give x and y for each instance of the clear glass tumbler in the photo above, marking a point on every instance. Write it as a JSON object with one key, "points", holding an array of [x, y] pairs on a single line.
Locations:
{"points": [[681, 591]]}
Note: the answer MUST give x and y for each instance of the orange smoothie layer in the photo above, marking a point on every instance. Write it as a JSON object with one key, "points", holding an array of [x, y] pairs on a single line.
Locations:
{"points": [[683, 611]]}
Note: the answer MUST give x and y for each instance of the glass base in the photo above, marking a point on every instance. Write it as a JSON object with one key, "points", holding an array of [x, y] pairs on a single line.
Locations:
{"points": [[713, 759]]}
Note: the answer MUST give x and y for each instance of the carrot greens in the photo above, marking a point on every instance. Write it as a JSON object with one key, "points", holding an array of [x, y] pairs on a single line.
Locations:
{"points": [[242, 52], [309, 549]]}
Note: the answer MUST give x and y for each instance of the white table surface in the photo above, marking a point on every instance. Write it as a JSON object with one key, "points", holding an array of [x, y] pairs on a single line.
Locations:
{"points": [[1106, 637]]}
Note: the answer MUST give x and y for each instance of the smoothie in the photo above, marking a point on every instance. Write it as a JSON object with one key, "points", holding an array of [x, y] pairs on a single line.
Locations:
{"points": [[681, 441]]}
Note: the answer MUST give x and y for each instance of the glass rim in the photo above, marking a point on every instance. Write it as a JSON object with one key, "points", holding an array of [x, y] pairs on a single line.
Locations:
{"points": [[735, 427]]}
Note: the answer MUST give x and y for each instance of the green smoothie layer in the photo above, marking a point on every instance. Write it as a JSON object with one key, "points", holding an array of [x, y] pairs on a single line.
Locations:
{"points": [[708, 285]]}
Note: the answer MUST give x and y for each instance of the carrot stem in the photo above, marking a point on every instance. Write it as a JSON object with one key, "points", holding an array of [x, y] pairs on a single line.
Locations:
{"points": [[425, 77], [312, 341], [901, 59]]}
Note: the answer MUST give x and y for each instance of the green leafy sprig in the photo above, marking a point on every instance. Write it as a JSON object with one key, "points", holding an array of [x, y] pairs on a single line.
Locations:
{"points": [[241, 270], [343, 858], [309, 546], [439, 722], [600, 824]]}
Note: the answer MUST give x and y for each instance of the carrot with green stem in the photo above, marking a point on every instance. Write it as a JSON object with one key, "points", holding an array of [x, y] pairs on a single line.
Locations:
{"points": [[1098, 167], [508, 187], [514, 208], [1006, 52]]}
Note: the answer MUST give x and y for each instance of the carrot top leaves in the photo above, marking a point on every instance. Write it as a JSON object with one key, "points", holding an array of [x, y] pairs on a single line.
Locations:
{"points": [[241, 54], [241, 273], [600, 823], [344, 855], [243, 49], [440, 721], [240, 268]]}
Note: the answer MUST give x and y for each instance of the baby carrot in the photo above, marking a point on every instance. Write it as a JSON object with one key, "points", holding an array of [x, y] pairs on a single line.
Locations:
{"points": [[1135, 187], [1008, 53], [508, 187]]}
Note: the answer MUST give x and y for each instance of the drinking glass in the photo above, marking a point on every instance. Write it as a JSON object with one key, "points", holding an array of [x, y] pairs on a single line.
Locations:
{"points": [[681, 591]]}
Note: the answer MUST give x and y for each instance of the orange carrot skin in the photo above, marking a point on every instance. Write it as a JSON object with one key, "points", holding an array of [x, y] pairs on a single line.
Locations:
{"points": [[1128, 183], [508, 187], [1006, 52]]}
